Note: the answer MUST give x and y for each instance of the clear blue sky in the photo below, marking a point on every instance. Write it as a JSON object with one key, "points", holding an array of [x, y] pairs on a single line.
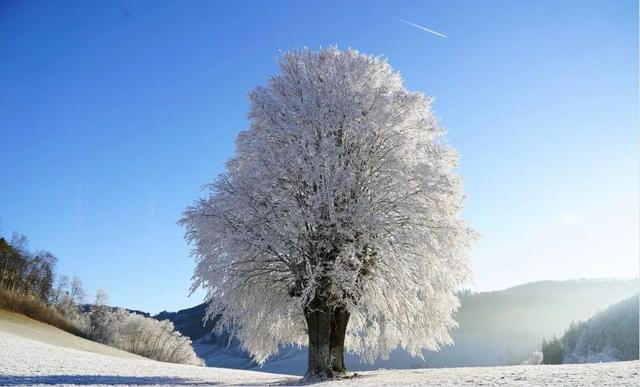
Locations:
{"points": [[113, 114]]}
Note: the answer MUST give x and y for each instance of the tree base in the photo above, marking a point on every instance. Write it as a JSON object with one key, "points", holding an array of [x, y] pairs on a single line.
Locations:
{"points": [[314, 377], [326, 328]]}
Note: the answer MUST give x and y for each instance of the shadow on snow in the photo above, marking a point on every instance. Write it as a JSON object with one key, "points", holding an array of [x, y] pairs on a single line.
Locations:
{"points": [[8, 380]]}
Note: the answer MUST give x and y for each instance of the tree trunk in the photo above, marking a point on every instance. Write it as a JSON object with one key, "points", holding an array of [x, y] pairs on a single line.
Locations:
{"points": [[319, 361], [338, 331], [326, 328]]}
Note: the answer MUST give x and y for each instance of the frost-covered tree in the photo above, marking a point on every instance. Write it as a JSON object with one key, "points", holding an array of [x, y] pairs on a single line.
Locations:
{"points": [[60, 289], [101, 325], [337, 222], [73, 314], [77, 293]]}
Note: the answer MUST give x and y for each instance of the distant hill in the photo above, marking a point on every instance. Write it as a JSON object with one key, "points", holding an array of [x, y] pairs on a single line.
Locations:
{"points": [[189, 322], [495, 328], [86, 308]]}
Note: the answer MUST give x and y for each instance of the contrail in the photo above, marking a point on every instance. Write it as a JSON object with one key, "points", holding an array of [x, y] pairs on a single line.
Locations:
{"points": [[421, 27]]}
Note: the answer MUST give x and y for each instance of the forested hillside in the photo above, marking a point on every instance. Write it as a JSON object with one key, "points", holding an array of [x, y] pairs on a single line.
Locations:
{"points": [[610, 335], [504, 327]]}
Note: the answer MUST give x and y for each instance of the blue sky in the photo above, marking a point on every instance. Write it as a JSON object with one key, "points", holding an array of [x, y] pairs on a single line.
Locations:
{"points": [[114, 114]]}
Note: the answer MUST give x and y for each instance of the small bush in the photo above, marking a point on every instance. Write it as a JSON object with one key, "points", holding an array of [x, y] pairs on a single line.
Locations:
{"points": [[534, 359], [37, 310]]}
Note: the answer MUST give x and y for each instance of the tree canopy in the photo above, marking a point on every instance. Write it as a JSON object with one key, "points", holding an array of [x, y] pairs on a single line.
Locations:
{"points": [[341, 196]]}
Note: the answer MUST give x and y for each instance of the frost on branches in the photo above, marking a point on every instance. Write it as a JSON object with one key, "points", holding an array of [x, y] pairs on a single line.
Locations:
{"points": [[337, 222]]}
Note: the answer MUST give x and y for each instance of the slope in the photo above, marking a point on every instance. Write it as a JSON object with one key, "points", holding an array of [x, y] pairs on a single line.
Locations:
{"points": [[35, 353], [25, 327]]}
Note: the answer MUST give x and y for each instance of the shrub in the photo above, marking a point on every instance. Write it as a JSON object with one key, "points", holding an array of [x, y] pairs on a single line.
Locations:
{"points": [[534, 359], [141, 335], [155, 339]]}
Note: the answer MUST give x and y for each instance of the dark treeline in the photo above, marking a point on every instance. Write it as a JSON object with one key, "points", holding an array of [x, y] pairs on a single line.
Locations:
{"points": [[29, 277], [28, 286], [24, 272]]}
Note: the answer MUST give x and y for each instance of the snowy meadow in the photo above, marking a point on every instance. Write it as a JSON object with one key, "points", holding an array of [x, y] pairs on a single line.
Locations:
{"points": [[29, 362]]}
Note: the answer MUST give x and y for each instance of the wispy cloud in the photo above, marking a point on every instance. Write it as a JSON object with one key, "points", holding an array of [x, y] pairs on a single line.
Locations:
{"points": [[421, 28]]}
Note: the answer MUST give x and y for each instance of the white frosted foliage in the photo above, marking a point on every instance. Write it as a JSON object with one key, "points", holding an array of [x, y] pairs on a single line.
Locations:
{"points": [[342, 174]]}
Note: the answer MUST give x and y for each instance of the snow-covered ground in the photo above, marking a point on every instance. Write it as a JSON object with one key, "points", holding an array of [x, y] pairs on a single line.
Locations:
{"points": [[26, 361], [31, 359]]}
